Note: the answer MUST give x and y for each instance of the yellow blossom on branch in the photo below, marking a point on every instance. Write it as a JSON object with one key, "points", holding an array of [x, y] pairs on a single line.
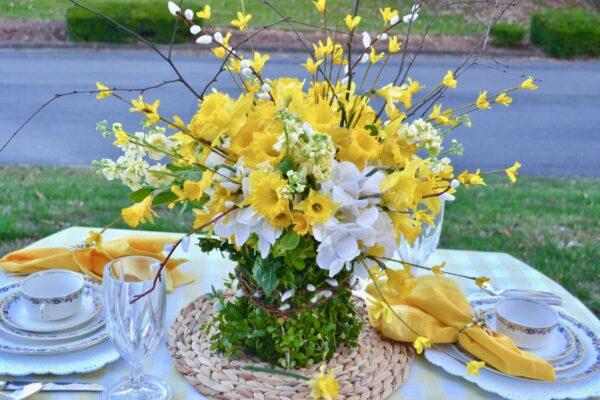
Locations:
{"points": [[512, 172], [241, 22], [449, 80], [149, 110], [138, 213], [481, 280], [393, 45], [259, 61], [466, 178], [205, 13], [528, 84], [321, 6], [437, 269], [122, 138], [104, 91], [504, 99], [311, 65], [352, 22], [421, 343], [387, 14], [221, 50], [324, 386], [382, 310], [473, 367], [94, 239], [482, 102], [374, 57]]}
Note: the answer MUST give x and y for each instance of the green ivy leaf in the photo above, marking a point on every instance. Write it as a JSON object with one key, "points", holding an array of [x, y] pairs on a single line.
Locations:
{"points": [[285, 165], [289, 241], [140, 194], [265, 275]]}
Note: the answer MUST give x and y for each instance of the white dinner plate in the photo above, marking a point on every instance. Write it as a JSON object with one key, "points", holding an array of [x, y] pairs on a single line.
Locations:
{"points": [[14, 313]]}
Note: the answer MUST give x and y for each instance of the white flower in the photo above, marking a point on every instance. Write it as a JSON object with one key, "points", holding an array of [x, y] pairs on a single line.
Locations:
{"points": [[173, 8], [188, 14], [339, 245], [158, 175], [311, 287], [204, 39], [366, 39], [332, 282], [160, 142], [195, 29]]}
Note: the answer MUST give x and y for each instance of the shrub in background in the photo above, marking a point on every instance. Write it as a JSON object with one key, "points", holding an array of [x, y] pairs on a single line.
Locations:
{"points": [[567, 33], [149, 18], [507, 35]]}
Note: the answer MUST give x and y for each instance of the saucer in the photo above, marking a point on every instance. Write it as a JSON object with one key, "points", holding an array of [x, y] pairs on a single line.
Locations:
{"points": [[10, 344], [13, 312]]}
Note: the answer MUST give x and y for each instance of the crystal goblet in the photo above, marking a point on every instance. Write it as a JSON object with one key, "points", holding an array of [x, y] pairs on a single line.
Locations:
{"points": [[419, 251], [135, 327]]}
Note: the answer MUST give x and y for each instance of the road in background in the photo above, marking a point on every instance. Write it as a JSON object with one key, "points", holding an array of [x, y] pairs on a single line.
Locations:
{"points": [[554, 131]]}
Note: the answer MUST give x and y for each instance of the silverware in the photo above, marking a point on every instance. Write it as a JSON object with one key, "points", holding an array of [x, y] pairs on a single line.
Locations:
{"points": [[538, 295], [24, 392], [54, 386]]}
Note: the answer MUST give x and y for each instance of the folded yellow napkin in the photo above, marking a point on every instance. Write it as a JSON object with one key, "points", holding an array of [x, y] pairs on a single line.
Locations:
{"points": [[436, 308], [92, 261]]}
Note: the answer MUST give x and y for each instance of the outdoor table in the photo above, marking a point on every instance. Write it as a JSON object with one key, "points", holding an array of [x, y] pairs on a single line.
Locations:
{"points": [[426, 381]]}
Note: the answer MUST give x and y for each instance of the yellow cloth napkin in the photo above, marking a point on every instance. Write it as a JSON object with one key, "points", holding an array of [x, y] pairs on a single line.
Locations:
{"points": [[92, 261], [436, 308]]}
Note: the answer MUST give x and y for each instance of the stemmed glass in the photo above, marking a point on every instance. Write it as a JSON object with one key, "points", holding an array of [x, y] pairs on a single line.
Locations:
{"points": [[135, 328], [419, 251]]}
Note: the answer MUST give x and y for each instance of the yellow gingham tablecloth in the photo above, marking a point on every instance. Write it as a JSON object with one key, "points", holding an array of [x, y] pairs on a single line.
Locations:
{"points": [[425, 382]]}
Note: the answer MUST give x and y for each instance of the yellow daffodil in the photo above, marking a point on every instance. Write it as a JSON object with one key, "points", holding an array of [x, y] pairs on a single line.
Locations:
{"points": [[399, 188], [374, 57], [149, 110], [449, 80], [481, 101], [512, 172], [312, 66], [437, 269], [381, 309], [466, 178], [139, 213], [241, 22], [221, 50], [387, 14], [94, 239], [324, 386], [264, 195], [104, 91], [473, 367], [259, 61], [504, 99], [317, 207], [205, 13], [352, 22], [393, 45], [321, 6], [193, 191], [359, 148], [421, 343], [122, 138], [481, 280], [300, 223], [528, 84]]}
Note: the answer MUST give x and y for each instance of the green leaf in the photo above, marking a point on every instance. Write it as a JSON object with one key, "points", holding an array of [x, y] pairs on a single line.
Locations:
{"points": [[191, 175], [164, 198], [373, 129], [265, 275], [140, 194], [289, 241], [177, 168], [285, 165]]}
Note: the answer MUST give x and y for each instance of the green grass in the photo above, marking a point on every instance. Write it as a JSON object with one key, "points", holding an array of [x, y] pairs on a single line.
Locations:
{"points": [[456, 23], [551, 224]]}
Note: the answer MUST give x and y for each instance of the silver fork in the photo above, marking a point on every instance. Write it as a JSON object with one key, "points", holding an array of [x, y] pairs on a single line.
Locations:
{"points": [[538, 295]]}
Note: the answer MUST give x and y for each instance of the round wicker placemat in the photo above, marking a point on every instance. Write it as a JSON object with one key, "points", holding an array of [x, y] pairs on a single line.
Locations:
{"points": [[371, 371]]}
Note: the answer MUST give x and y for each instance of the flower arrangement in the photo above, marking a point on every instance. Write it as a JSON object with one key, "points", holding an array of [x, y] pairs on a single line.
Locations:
{"points": [[308, 185]]}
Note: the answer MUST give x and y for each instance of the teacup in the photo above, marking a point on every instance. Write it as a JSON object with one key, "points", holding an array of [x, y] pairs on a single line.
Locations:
{"points": [[527, 322], [52, 295]]}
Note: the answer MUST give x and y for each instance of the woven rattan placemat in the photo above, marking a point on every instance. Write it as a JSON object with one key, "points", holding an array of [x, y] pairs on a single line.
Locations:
{"points": [[371, 371]]}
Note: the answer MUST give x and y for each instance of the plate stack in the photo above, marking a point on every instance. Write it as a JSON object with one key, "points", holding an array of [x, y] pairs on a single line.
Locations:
{"points": [[73, 344]]}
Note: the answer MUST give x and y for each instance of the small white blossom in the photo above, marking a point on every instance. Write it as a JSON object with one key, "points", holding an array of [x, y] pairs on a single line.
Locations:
{"points": [[366, 39], [173, 8], [188, 14], [204, 39], [287, 295], [284, 307], [195, 29]]}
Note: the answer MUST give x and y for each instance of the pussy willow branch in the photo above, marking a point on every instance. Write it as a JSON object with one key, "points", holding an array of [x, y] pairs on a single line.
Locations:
{"points": [[174, 33], [74, 92], [163, 264], [148, 43], [422, 267]]}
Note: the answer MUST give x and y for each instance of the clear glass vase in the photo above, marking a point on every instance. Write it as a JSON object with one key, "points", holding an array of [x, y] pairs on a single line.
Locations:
{"points": [[419, 251], [135, 327]]}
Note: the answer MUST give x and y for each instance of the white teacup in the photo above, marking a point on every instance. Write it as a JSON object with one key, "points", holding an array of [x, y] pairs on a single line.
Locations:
{"points": [[527, 322], [53, 294]]}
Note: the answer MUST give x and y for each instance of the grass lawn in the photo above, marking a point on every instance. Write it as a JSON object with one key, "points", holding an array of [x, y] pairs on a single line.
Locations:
{"points": [[552, 224]]}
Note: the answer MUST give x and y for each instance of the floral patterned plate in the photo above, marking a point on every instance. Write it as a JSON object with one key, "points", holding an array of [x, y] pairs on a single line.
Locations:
{"points": [[14, 314]]}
